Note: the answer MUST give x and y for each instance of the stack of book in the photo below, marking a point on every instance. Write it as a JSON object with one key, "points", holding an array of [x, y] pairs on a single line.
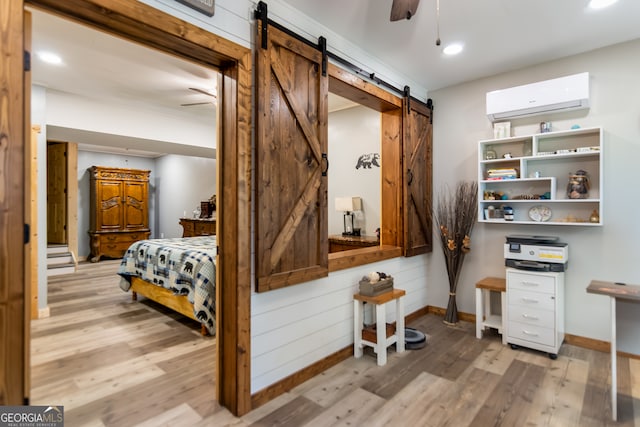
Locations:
{"points": [[502, 173]]}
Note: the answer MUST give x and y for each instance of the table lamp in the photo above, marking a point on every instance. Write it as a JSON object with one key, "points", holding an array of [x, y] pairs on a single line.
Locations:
{"points": [[348, 205]]}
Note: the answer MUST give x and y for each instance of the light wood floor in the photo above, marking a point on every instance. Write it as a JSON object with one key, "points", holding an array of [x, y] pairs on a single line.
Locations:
{"points": [[113, 362]]}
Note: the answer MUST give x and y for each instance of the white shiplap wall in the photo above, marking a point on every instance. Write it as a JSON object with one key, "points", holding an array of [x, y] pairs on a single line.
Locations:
{"points": [[295, 327]]}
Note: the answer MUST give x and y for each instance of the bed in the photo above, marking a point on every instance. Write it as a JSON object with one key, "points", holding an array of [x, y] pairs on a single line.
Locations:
{"points": [[178, 273]]}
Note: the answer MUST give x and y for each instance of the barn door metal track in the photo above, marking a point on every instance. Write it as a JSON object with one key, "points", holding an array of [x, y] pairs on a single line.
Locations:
{"points": [[261, 13]]}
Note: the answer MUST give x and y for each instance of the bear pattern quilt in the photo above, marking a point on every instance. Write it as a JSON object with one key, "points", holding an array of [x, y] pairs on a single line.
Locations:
{"points": [[185, 266]]}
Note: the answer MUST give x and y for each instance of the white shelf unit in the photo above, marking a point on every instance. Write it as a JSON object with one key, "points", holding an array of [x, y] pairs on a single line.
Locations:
{"points": [[544, 163]]}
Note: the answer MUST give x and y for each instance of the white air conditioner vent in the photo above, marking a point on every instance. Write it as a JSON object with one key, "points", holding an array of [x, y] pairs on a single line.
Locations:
{"points": [[549, 96]]}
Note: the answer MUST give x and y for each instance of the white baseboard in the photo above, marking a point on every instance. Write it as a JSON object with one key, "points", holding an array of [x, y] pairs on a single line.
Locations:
{"points": [[43, 312]]}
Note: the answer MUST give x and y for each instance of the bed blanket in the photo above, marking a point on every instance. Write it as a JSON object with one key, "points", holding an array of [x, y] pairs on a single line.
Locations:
{"points": [[186, 266]]}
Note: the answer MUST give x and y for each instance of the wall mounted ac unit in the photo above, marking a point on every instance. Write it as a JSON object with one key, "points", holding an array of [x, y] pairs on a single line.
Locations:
{"points": [[549, 96]]}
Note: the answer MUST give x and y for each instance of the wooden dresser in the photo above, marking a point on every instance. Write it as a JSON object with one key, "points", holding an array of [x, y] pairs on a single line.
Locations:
{"points": [[339, 243], [192, 227], [119, 210]]}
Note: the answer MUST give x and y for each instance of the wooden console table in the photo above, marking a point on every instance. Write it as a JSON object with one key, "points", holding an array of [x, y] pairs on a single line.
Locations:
{"points": [[339, 243], [193, 227], [614, 291]]}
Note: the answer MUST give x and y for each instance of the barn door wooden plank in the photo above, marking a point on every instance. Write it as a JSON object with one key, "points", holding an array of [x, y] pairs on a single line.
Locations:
{"points": [[417, 161], [291, 139]]}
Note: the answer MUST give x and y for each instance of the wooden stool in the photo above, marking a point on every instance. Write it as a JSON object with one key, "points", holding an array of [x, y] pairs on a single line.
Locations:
{"points": [[382, 338], [484, 317]]}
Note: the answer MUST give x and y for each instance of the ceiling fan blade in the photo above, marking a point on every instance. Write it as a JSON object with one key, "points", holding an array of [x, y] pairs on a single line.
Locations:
{"points": [[202, 91], [403, 9], [195, 103]]}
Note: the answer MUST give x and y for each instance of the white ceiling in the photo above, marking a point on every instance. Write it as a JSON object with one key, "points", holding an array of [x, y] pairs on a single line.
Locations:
{"points": [[498, 36], [106, 68]]}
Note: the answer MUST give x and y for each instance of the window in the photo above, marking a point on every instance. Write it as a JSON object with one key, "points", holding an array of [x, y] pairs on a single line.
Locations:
{"points": [[354, 171]]}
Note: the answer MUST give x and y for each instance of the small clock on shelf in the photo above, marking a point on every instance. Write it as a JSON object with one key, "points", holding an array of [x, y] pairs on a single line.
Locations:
{"points": [[540, 213]]}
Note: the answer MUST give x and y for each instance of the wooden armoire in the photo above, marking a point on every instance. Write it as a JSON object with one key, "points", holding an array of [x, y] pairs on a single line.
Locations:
{"points": [[119, 210]]}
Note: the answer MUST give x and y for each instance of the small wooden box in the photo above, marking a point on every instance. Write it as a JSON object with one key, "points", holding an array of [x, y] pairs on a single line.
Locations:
{"points": [[372, 289], [369, 332]]}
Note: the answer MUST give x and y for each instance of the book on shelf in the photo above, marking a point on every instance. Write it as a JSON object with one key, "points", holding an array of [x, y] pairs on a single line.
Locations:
{"points": [[501, 178], [502, 173]]}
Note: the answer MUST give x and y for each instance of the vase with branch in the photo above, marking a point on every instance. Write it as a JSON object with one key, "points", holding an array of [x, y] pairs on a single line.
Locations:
{"points": [[455, 216]]}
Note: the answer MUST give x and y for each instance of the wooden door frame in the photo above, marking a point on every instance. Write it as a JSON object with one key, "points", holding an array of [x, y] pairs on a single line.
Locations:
{"points": [[156, 29]]}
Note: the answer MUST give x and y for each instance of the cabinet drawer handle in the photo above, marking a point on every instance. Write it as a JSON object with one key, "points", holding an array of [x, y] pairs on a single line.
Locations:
{"points": [[528, 316], [535, 301], [533, 334], [530, 283]]}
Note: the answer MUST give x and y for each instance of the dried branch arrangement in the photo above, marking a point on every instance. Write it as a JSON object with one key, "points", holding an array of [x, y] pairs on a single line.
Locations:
{"points": [[455, 216]]}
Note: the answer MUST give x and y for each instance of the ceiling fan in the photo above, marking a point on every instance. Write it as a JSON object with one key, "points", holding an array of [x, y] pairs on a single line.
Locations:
{"points": [[204, 92], [403, 9]]}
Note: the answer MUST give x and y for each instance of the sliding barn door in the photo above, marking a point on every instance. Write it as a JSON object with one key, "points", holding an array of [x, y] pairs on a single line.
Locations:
{"points": [[291, 143], [417, 161]]}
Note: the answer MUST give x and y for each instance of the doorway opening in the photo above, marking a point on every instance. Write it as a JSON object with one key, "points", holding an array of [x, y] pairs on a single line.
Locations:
{"points": [[148, 26]]}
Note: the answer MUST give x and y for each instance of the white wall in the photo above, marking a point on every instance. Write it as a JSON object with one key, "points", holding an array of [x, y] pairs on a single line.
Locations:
{"points": [[176, 184], [352, 133], [151, 122], [294, 327], [609, 252], [234, 21], [181, 183]]}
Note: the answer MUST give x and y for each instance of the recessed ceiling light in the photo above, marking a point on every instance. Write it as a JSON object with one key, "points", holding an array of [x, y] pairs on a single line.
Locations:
{"points": [[50, 58], [452, 49], [601, 4]]}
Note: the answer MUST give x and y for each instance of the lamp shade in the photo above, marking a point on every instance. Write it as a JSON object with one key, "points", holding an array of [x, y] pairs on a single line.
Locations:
{"points": [[348, 204]]}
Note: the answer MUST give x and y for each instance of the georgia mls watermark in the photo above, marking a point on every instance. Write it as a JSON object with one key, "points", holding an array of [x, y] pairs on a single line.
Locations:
{"points": [[31, 416]]}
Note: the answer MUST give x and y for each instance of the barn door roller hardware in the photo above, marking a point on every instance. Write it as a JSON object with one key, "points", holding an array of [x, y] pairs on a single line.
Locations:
{"points": [[407, 95], [262, 15]]}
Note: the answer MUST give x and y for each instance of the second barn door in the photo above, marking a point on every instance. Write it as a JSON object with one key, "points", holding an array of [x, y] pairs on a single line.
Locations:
{"points": [[417, 152]]}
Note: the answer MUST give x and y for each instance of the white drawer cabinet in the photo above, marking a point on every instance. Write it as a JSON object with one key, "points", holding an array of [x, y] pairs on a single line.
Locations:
{"points": [[539, 336], [532, 316], [532, 281], [531, 299], [535, 310]]}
